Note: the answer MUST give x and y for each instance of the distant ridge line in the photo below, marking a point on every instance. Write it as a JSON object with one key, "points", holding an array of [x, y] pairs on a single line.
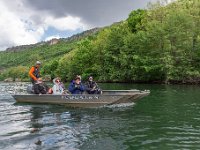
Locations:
{"points": [[68, 39]]}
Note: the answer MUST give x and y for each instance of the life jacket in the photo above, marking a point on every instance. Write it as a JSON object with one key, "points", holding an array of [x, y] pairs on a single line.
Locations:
{"points": [[36, 72], [91, 84]]}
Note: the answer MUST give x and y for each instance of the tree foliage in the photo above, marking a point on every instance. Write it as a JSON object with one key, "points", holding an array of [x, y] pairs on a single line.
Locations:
{"points": [[160, 44]]}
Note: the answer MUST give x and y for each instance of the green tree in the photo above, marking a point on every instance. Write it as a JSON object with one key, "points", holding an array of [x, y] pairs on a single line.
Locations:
{"points": [[135, 19]]}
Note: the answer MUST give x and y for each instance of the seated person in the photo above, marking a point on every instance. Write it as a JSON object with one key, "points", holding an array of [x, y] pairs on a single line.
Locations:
{"points": [[40, 87], [58, 87], [92, 87], [76, 87]]}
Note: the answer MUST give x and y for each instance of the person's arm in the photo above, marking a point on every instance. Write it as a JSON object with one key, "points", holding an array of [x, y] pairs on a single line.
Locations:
{"points": [[82, 88], [62, 90], [31, 73], [95, 85], [71, 88], [87, 87], [63, 86]]}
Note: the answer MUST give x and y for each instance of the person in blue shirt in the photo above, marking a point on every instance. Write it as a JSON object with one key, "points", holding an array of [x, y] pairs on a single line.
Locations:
{"points": [[76, 87]]}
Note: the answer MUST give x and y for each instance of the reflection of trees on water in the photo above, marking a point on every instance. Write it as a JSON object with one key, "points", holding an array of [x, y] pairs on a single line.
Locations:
{"points": [[35, 118], [57, 125], [54, 124], [51, 115], [44, 116]]}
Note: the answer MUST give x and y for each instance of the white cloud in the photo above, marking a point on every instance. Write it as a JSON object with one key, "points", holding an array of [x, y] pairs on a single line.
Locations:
{"points": [[65, 23], [28, 21], [21, 25], [14, 30]]}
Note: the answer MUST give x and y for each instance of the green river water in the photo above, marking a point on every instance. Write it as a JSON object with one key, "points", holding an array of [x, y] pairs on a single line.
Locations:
{"points": [[169, 118]]}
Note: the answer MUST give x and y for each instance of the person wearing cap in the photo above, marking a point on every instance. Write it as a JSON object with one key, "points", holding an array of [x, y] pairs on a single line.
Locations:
{"points": [[40, 87], [58, 87], [76, 87], [34, 72], [92, 87]]}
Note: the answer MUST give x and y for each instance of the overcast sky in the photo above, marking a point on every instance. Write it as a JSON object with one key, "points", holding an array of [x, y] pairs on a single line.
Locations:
{"points": [[30, 21]]}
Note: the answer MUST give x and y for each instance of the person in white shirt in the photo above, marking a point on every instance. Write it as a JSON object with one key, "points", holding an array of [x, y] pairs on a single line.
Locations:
{"points": [[57, 88]]}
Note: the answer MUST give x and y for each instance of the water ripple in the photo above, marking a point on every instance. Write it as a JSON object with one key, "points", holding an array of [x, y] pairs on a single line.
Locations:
{"points": [[166, 119]]}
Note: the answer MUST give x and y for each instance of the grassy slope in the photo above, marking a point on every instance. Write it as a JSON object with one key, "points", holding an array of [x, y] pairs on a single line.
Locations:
{"points": [[44, 52]]}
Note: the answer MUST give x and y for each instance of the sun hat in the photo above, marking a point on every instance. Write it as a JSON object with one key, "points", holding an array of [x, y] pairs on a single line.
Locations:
{"points": [[77, 77], [38, 63]]}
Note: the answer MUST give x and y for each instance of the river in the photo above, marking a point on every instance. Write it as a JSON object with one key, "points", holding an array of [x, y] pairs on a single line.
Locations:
{"points": [[169, 118]]}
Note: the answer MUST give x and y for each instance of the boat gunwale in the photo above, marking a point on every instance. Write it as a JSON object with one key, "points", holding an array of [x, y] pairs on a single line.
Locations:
{"points": [[112, 93], [124, 94]]}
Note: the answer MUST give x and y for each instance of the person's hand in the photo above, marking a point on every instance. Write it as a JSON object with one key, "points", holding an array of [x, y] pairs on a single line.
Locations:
{"points": [[93, 88], [77, 86]]}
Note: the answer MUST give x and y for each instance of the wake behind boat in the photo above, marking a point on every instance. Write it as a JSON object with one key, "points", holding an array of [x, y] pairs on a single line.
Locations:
{"points": [[108, 97]]}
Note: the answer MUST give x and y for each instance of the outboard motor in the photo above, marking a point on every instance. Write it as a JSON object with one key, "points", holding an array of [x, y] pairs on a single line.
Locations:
{"points": [[30, 89]]}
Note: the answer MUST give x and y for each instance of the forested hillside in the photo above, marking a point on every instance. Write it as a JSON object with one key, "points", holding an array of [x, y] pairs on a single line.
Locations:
{"points": [[15, 62], [160, 44]]}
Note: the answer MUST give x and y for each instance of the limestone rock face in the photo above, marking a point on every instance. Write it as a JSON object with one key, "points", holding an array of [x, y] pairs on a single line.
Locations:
{"points": [[53, 41]]}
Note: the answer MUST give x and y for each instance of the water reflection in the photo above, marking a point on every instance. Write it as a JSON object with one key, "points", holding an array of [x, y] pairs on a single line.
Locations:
{"points": [[55, 127], [167, 119]]}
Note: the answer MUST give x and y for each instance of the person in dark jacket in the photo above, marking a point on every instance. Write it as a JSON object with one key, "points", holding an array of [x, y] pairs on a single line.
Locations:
{"points": [[40, 87], [92, 87], [76, 87]]}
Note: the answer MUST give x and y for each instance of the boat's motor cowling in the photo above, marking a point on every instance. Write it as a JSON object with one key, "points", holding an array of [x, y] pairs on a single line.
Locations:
{"points": [[30, 89]]}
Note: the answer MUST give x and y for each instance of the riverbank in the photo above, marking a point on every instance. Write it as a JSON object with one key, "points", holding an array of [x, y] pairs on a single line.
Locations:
{"points": [[172, 82]]}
